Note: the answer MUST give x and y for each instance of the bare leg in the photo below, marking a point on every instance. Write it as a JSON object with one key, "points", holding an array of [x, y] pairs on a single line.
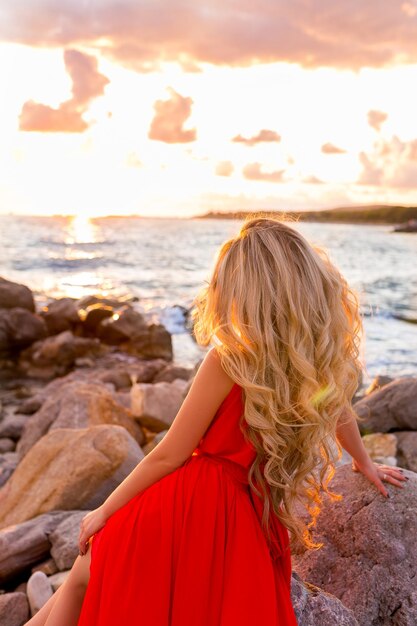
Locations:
{"points": [[64, 607]]}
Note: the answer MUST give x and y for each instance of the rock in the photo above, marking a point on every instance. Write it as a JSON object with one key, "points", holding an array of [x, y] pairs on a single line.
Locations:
{"points": [[15, 295], [12, 426], [315, 607], [377, 383], [155, 406], [64, 540], [54, 356], [19, 328], [154, 342], [122, 326], [68, 469], [393, 407], [154, 442], [8, 464], [23, 545], [369, 556], [93, 315], [14, 609], [77, 405], [48, 567], [87, 301], [172, 372], [58, 579], [407, 449], [6, 444], [60, 315], [380, 445], [30, 406], [38, 590]]}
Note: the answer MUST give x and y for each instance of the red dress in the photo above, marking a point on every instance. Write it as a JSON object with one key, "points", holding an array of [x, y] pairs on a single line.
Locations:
{"points": [[189, 550]]}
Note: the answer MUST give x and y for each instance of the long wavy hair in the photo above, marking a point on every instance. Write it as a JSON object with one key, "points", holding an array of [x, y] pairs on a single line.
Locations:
{"points": [[287, 328]]}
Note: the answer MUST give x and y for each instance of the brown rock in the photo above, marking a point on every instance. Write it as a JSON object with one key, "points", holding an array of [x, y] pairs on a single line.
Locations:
{"points": [[23, 545], [154, 342], [172, 372], [93, 315], [377, 383], [369, 557], [77, 405], [8, 464], [60, 315], [15, 295], [56, 355], [393, 407], [48, 567], [407, 449], [14, 609], [12, 426], [127, 323], [19, 328], [155, 406], [68, 469], [380, 445], [315, 607], [6, 444], [64, 540]]}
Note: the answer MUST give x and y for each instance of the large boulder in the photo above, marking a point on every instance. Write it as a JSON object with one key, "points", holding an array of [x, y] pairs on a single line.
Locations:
{"points": [[77, 405], [19, 328], [392, 407], [15, 295], [68, 469], [155, 406], [369, 556], [56, 355], [23, 545], [315, 607]]}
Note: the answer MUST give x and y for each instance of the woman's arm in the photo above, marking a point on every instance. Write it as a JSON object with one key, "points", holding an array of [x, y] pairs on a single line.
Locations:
{"points": [[349, 437], [208, 390]]}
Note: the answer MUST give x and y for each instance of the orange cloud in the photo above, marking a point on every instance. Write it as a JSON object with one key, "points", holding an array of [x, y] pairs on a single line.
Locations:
{"points": [[225, 168], [253, 171], [141, 34], [263, 136], [376, 119], [87, 84], [391, 164], [170, 117], [329, 148]]}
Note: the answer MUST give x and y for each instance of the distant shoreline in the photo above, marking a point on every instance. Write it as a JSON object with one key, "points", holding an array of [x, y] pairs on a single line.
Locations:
{"points": [[344, 215]]}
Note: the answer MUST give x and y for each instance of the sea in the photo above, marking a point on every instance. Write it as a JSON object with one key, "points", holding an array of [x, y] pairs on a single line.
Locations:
{"points": [[159, 264]]}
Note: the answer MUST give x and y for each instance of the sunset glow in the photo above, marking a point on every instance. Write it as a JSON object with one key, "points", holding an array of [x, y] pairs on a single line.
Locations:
{"points": [[93, 123]]}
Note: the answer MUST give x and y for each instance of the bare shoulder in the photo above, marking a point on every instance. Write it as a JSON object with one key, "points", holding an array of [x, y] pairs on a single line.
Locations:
{"points": [[211, 373]]}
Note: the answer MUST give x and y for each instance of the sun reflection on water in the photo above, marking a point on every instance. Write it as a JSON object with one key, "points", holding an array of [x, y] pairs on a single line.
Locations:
{"points": [[81, 229]]}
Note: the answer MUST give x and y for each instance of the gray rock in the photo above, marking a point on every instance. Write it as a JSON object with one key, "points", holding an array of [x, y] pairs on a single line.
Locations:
{"points": [[172, 372], [6, 444], [38, 590], [14, 609], [393, 407], [369, 556], [407, 449], [12, 426], [23, 545], [155, 406], [64, 540], [8, 463], [19, 328], [315, 607], [58, 579]]}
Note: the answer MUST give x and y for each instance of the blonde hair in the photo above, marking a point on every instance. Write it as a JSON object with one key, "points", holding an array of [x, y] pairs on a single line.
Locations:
{"points": [[287, 328]]}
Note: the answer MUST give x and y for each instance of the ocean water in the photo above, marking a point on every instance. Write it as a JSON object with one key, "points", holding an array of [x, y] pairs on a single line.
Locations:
{"points": [[162, 263]]}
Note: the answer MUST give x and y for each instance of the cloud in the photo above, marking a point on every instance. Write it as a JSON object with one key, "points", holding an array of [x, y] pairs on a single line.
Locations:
{"points": [[376, 119], [170, 117], [329, 148], [314, 33], [87, 84], [392, 163], [224, 168], [263, 136], [253, 171]]}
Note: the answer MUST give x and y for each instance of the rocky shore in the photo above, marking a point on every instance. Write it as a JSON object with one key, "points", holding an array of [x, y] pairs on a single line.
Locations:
{"points": [[88, 387]]}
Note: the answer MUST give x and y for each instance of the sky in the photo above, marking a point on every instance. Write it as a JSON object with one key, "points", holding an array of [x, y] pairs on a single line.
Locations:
{"points": [[179, 107]]}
